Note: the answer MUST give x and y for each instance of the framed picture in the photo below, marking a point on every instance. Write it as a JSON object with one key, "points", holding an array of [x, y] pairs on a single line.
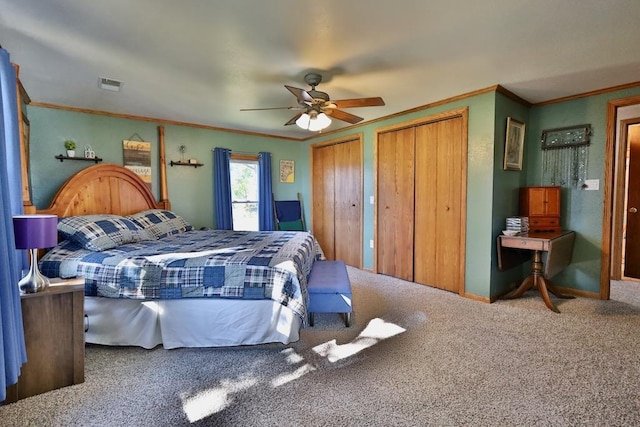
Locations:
{"points": [[286, 171], [514, 145]]}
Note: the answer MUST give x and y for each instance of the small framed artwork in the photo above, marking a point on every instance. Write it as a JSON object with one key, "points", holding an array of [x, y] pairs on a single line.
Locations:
{"points": [[514, 145], [286, 171]]}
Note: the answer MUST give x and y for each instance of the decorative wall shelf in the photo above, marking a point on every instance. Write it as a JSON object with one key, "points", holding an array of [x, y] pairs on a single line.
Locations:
{"points": [[195, 165], [86, 159]]}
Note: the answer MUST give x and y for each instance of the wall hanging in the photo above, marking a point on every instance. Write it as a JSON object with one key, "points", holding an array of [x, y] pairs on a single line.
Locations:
{"points": [[287, 170], [137, 157], [514, 145], [565, 155]]}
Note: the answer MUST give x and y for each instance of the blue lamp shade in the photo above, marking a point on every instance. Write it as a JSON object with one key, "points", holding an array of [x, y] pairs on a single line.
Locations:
{"points": [[33, 232]]}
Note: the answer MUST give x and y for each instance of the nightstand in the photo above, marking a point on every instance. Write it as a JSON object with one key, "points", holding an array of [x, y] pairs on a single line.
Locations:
{"points": [[54, 338]]}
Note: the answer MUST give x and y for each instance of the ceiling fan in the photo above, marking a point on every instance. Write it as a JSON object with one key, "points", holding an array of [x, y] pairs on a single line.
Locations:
{"points": [[316, 106]]}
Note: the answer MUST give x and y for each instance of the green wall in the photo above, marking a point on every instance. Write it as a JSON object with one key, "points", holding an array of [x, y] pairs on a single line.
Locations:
{"points": [[506, 187], [492, 193], [190, 189], [581, 210]]}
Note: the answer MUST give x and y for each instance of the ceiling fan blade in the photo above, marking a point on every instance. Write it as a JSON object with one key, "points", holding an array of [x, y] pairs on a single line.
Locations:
{"points": [[301, 94], [343, 115], [359, 102], [269, 108], [293, 119]]}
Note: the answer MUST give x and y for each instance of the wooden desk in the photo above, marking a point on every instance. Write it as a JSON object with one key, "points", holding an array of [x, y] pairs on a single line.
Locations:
{"points": [[557, 245]]}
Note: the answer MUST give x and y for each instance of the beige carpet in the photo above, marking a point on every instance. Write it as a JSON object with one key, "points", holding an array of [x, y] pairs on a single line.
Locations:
{"points": [[415, 356]]}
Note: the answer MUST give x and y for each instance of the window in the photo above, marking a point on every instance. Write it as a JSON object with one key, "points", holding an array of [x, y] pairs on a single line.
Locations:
{"points": [[244, 192]]}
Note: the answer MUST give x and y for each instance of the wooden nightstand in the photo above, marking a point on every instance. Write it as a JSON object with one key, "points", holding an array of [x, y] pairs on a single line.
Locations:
{"points": [[54, 337]]}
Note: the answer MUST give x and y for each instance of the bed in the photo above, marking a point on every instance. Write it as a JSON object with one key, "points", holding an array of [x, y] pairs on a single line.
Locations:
{"points": [[159, 282]]}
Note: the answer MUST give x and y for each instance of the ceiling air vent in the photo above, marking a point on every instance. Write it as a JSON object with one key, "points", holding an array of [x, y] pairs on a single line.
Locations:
{"points": [[109, 84]]}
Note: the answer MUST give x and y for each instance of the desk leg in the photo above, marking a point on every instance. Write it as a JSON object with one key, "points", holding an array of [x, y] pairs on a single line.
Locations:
{"points": [[541, 284], [538, 280], [520, 290], [555, 291]]}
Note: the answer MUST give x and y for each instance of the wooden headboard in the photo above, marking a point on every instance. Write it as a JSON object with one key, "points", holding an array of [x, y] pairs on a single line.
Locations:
{"points": [[103, 189], [107, 189]]}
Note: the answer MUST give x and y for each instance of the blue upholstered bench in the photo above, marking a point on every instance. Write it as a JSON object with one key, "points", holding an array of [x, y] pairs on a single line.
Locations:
{"points": [[329, 290]]}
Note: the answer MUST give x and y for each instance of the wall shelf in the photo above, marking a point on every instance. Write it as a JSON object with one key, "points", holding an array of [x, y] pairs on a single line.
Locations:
{"points": [[195, 165], [86, 159]]}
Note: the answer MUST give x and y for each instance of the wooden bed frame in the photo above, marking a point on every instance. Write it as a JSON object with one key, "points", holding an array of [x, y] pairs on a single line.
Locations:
{"points": [[103, 189], [106, 189]]}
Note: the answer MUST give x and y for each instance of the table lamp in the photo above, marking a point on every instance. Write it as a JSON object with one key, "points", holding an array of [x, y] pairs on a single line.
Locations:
{"points": [[34, 232]]}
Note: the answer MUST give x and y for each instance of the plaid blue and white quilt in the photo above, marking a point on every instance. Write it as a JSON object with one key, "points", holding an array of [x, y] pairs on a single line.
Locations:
{"points": [[195, 264]]}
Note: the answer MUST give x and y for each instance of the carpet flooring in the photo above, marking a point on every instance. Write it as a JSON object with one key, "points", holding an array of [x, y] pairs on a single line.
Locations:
{"points": [[414, 356]]}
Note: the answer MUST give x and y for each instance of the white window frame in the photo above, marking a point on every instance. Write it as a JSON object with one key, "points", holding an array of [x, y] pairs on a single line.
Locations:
{"points": [[238, 225]]}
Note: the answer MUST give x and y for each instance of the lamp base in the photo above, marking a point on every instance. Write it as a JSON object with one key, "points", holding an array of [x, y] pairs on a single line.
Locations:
{"points": [[34, 281]]}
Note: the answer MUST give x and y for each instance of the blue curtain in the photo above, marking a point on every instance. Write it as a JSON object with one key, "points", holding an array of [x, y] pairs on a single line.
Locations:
{"points": [[222, 188], [265, 193], [12, 349]]}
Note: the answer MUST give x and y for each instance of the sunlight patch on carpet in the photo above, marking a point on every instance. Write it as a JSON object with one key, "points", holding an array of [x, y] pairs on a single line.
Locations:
{"points": [[376, 331], [288, 377], [291, 356], [210, 401]]}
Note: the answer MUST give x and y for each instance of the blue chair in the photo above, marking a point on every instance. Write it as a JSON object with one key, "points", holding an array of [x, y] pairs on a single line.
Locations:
{"points": [[289, 214]]}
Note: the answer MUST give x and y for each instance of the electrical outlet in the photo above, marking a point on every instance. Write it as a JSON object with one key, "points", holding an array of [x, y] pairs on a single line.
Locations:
{"points": [[370, 200], [591, 184], [371, 244]]}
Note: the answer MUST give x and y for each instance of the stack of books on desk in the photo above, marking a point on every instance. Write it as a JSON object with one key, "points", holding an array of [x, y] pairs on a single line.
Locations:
{"points": [[518, 223]]}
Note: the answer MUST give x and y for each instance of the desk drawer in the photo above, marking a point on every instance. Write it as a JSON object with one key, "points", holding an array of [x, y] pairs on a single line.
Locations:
{"points": [[520, 243], [544, 224]]}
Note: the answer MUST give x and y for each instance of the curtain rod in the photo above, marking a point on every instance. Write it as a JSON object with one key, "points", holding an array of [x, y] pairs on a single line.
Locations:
{"points": [[244, 153]]}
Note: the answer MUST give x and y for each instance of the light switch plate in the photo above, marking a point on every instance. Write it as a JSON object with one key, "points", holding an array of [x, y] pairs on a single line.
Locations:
{"points": [[591, 184], [370, 200]]}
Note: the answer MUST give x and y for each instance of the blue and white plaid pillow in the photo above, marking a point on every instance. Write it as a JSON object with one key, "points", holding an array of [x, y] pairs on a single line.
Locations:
{"points": [[160, 223], [101, 232]]}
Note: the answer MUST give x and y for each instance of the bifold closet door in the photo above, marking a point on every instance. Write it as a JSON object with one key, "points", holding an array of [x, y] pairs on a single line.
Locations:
{"points": [[395, 205], [337, 200], [440, 173], [348, 202], [323, 199]]}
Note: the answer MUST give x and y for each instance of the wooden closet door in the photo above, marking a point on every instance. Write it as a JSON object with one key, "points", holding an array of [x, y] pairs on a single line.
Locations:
{"points": [[323, 199], [348, 202], [394, 229], [439, 222]]}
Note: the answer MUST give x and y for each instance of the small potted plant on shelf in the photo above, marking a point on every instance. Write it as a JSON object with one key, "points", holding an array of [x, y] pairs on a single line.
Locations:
{"points": [[71, 148]]}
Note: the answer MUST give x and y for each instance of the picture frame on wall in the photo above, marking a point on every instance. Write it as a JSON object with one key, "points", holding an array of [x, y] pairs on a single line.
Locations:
{"points": [[287, 171], [514, 145]]}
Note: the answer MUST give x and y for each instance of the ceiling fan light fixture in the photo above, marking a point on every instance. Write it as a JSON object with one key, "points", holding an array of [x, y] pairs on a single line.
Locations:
{"points": [[303, 121], [313, 121]]}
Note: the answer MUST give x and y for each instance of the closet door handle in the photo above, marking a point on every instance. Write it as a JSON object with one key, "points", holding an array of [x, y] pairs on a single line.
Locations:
{"points": [[633, 210]]}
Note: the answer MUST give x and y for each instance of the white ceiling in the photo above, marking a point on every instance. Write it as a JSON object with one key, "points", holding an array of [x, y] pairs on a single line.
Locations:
{"points": [[202, 61]]}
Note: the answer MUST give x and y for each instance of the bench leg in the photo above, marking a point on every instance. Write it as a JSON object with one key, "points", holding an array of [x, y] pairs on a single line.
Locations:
{"points": [[311, 319], [347, 319]]}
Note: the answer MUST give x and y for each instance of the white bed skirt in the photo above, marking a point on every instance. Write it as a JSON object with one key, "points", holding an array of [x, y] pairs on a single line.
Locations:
{"points": [[188, 322]]}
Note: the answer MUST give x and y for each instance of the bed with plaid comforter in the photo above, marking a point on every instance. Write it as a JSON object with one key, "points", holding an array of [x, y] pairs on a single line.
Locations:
{"points": [[195, 264]]}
